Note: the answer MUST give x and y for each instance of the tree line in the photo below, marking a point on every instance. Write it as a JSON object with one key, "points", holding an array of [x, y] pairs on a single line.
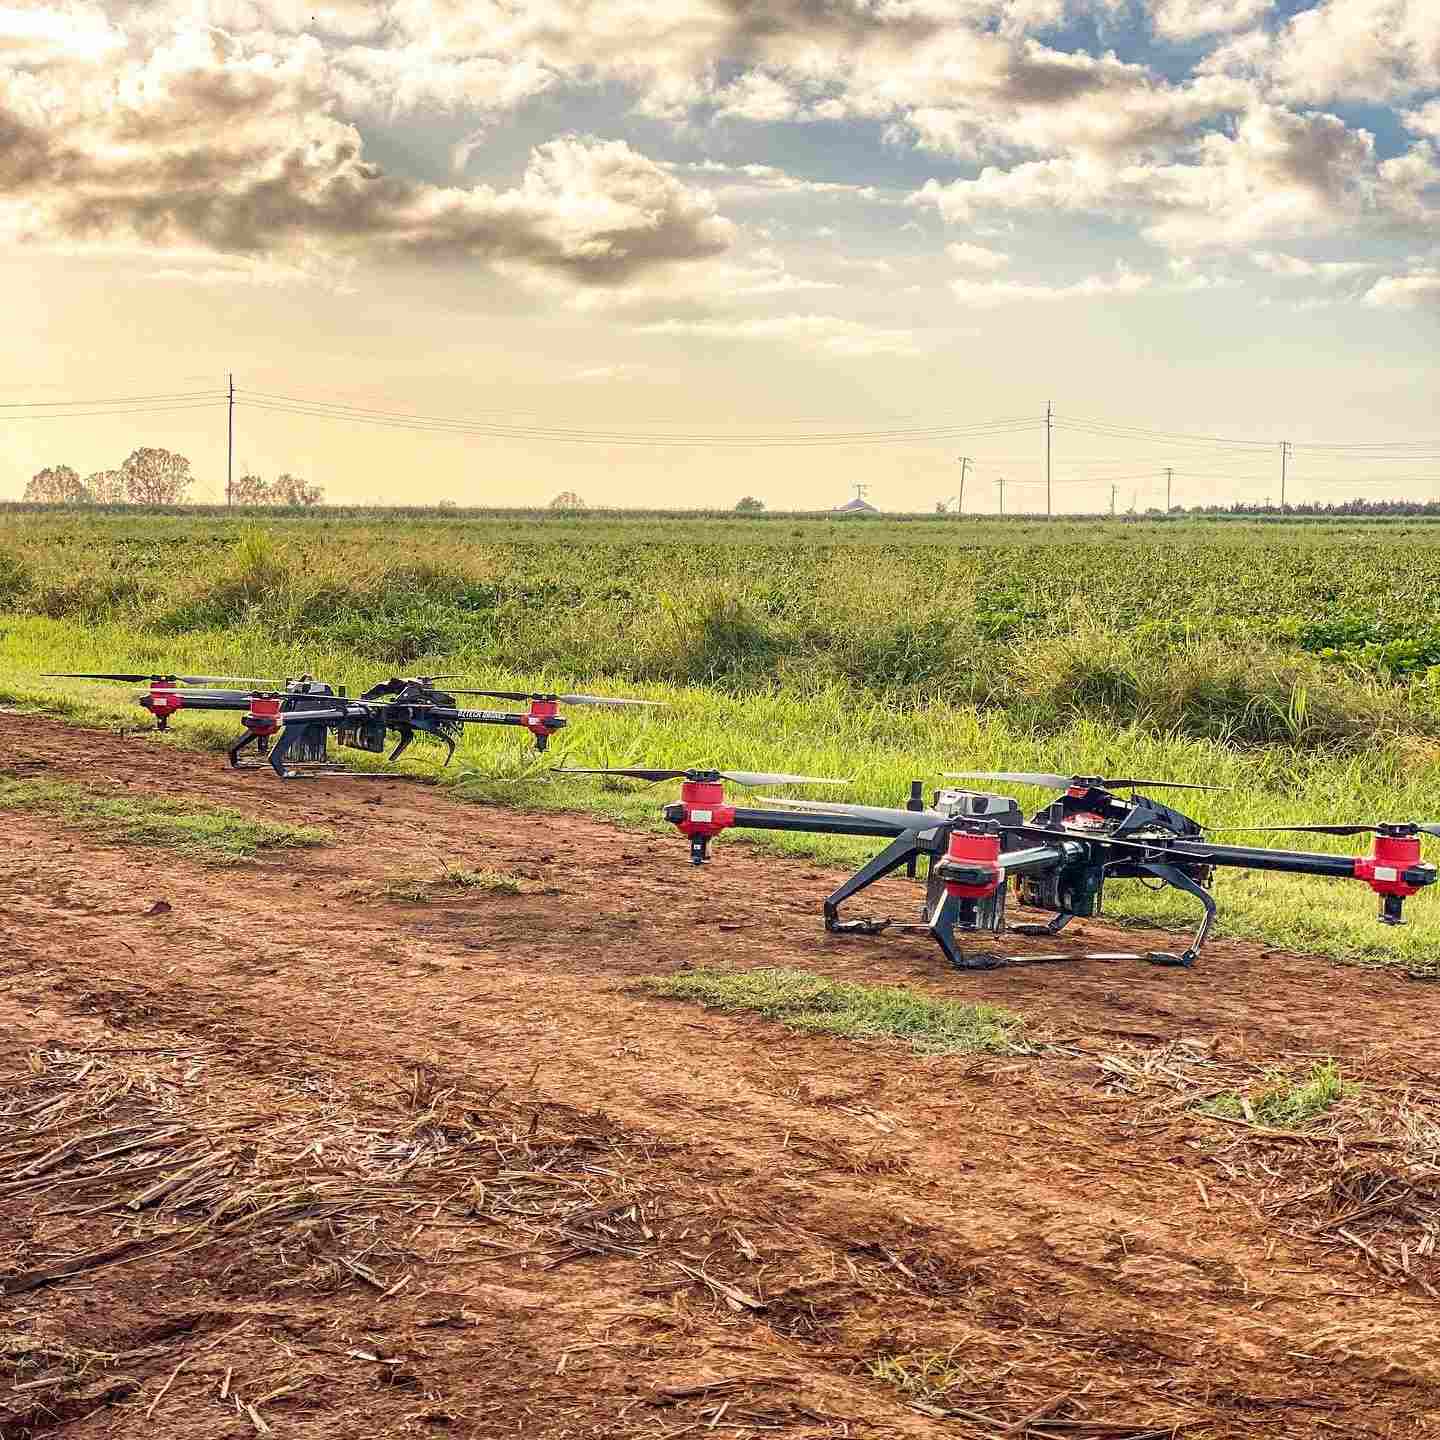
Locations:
{"points": [[151, 476]]}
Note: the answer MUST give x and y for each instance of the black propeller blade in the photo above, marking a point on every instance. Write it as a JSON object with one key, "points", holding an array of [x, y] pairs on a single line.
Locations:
{"points": [[1068, 782], [146, 679], [739, 777]]}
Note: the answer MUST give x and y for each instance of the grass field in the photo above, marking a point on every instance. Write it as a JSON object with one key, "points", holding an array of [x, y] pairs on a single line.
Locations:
{"points": [[1298, 664]]}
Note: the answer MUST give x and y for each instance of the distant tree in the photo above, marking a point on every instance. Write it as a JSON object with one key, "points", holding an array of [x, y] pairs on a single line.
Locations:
{"points": [[750, 506], [156, 477], [251, 490], [106, 487], [567, 500], [56, 485], [291, 490], [447, 505], [939, 507]]}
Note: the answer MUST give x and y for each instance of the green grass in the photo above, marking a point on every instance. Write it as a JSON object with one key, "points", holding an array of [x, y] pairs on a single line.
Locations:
{"points": [[420, 889], [216, 834], [859, 1012], [883, 651], [1282, 1103]]}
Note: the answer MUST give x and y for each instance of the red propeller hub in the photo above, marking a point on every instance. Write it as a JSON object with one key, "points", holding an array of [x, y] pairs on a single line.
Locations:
{"points": [[541, 717], [1383, 869], [976, 858]]}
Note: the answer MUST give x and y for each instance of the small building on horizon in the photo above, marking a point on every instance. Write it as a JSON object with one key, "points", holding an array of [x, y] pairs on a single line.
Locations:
{"points": [[855, 507]]}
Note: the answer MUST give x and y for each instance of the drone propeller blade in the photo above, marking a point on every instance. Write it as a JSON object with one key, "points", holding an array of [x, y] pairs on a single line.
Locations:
{"points": [[606, 700], [633, 773], [559, 699], [1014, 777], [903, 819], [738, 777], [1066, 782], [143, 679], [761, 777], [1326, 829]]}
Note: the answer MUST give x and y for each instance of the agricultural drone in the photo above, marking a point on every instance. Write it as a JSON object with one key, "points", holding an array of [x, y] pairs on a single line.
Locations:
{"points": [[413, 709], [303, 712], [979, 851]]}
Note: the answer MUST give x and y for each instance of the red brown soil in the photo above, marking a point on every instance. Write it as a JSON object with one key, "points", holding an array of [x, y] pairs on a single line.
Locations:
{"points": [[612, 1215]]}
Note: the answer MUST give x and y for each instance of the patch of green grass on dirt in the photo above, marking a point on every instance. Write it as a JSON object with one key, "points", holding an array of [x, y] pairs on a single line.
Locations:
{"points": [[829, 1007], [1283, 1104], [420, 889], [213, 833]]}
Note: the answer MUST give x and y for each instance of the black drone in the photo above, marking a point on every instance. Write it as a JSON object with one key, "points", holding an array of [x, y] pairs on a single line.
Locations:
{"points": [[979, 851]]}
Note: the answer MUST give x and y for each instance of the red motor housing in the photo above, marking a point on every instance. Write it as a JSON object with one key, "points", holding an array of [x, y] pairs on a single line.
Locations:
{"points": [[978, 854], [539, 720], [263, 717], [162, 701], [1383, 869], [706, 812]]}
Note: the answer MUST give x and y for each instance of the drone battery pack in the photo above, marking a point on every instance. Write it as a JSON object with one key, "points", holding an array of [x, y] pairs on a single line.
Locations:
{"points": [[363, 735]]}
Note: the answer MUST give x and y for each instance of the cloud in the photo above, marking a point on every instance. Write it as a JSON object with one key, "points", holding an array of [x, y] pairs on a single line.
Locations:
{"points": [[849, 339], [1195, 19], [214, 143], [988, 294], [977, 257], [1365, 50], [754, 181], [1278, 172], [1420, 289], [1293, 266]]}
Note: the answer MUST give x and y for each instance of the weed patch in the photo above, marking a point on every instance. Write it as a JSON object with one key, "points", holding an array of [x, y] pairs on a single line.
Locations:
{"points": [[861, 1012], [203, 833], [1283, 1104]]}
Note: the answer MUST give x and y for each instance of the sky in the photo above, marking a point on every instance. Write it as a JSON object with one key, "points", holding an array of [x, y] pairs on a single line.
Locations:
{"points": [[673, 252]]}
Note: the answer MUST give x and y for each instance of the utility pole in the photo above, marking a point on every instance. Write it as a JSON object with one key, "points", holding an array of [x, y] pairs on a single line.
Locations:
{"points": [[861, 486], [1049, 425], [1284, 459], [230, 450], [1169, 481], [1113, 489], [1001, 483], [960, 501]]}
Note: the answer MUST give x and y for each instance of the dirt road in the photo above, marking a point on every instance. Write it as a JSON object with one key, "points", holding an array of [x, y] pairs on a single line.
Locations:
{"points": [[281, 1155]]}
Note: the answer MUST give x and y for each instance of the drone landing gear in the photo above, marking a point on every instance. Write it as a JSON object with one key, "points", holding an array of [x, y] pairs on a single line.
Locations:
{"points": [[906, 850], [262, 748], [1173, 875]]}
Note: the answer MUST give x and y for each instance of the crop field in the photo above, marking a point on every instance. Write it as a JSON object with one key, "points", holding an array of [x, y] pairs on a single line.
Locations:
{"points": [[464, 1105]]}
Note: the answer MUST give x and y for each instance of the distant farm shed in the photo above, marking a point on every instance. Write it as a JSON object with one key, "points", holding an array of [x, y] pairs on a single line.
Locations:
{"points": [[855, 507]]}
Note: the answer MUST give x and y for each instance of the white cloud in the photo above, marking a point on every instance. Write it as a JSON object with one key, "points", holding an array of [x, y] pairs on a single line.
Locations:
{"points": [[1194, 19], [977, 257], [988, 294], [1365, 50], [849, 339], [1278, 173], [1416, 290], [1293, 266], [225, 145]]}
